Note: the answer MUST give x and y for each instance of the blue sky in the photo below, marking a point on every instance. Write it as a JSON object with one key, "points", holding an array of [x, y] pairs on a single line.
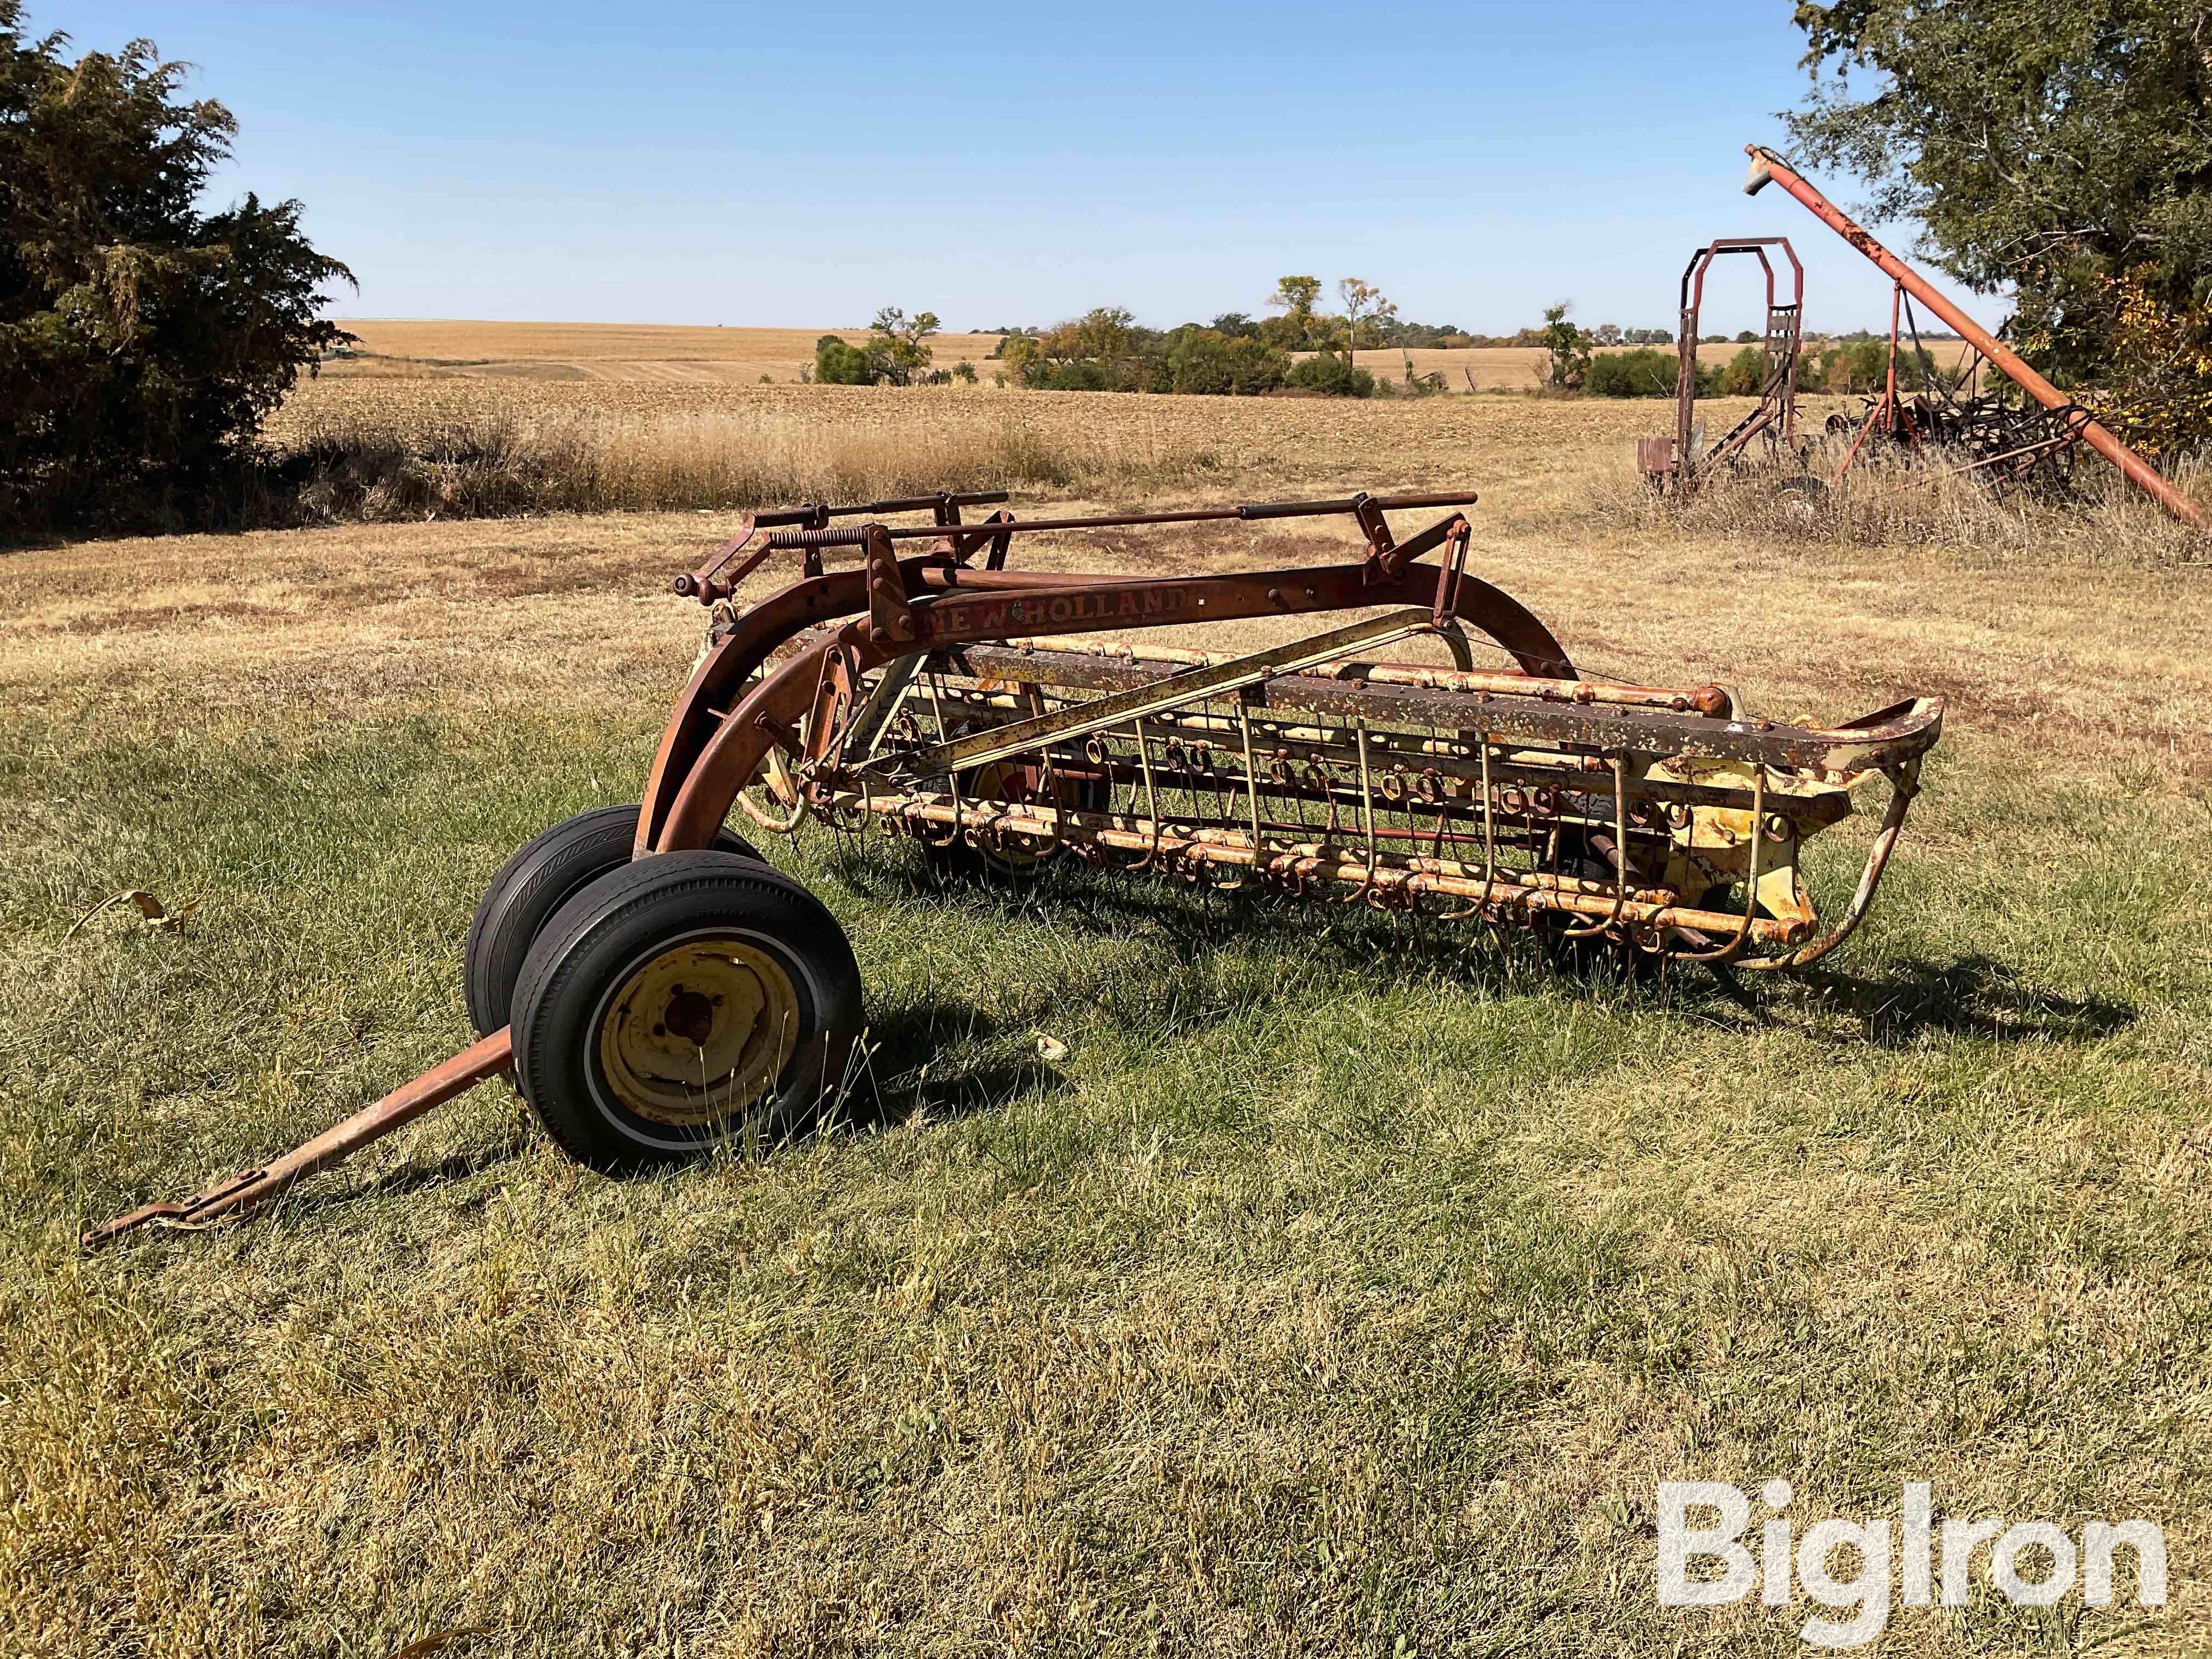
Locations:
{"points": [[799, 165]]}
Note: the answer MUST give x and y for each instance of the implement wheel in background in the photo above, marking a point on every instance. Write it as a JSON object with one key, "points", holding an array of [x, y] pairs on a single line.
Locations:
{"points": [[1802, 496], [684, 1000], [1017, 781], [548, 871]]}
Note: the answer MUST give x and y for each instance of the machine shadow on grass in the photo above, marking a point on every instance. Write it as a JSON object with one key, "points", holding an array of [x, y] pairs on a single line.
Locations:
{"points": [[900, 1073], [1978, 996], [937, 1058], [511, 1143], [1971, 996]]}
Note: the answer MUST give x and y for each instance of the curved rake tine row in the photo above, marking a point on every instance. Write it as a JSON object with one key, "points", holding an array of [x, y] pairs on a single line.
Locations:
{"points": [[658, 989]]}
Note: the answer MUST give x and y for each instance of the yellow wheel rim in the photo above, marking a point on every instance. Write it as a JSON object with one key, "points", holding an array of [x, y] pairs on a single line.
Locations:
{"points": [[700, 1032]]}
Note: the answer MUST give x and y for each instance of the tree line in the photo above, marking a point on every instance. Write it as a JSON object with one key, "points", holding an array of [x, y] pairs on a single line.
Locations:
{"points": [[1107, 349], [1854, 363], [1302, 348]]}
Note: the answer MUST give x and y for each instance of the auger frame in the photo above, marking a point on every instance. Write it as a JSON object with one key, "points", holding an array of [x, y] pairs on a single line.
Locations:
{"points": [[930, 691], [2011, 445]]}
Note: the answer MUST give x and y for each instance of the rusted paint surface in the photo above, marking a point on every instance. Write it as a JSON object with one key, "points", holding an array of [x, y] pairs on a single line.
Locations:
{"points": [[1677, 460], [1767, 168]]}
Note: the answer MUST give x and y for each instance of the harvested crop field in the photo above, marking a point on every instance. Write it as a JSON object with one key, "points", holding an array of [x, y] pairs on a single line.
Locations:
{"points": [[1212, 1273], [677, 355]]}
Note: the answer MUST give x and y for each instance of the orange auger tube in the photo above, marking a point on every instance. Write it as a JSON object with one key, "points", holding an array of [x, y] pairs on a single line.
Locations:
{"points": [[1768, 167]]}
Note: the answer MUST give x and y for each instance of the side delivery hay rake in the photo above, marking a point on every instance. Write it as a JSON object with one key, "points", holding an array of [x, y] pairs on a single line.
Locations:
{"points": [[657, 987]]}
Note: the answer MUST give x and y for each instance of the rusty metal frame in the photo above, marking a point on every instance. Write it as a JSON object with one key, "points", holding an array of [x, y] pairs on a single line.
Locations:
{"points": [[1669, 460], [724, 723], [1767, 168]]}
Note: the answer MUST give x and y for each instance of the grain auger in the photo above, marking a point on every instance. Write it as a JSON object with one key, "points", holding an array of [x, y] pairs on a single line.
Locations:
{"points": [[657, 987]]}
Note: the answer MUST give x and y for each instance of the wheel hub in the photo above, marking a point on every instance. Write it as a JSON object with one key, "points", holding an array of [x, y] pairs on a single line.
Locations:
{"points": [[699, 1031]]}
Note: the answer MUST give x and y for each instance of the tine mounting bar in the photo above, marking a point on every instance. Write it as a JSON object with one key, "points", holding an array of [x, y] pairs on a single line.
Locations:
{"points": [[1080, 721]]}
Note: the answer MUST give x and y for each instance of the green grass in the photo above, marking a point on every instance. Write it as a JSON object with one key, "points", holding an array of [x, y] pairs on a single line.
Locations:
{"points": [[1345, 1288]]}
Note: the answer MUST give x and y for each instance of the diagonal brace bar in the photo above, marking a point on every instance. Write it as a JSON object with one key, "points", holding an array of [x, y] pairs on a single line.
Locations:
{"points": [[1084, 719]]}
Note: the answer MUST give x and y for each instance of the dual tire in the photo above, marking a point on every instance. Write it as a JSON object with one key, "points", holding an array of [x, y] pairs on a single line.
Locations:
{"points": [[662, 1007]]}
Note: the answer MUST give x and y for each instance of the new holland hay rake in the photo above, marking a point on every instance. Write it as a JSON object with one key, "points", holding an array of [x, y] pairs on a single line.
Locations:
{"points": [[657, 987]]}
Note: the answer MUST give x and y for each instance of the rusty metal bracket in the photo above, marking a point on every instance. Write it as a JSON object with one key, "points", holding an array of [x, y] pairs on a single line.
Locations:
{"points": [[890, 617], [1456, 537], [964, 545], [786, 739], [1384, 559], [706, 584]]}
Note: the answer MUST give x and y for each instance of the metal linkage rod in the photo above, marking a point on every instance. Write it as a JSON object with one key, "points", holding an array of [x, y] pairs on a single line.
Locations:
{"points": [[810, 511], [1249, 511]]}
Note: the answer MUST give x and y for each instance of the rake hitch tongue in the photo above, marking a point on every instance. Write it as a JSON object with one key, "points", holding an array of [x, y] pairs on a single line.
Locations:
{"points": [[250, 1189], [693, 992]]}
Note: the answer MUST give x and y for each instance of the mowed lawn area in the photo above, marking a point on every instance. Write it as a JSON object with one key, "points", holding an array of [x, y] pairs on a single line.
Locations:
{"points": [[1338, 1286]]}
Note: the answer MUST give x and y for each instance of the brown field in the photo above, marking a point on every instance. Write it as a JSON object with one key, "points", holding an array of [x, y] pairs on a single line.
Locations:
{"points": [[1342, 1288], [740, 356], [610, 351]]}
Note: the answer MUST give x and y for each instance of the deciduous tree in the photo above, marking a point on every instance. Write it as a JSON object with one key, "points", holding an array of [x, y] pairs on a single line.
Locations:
{"points": [[1294, 330], [2062, 150], [896, 344], [1566, 347], [1362, 303]]}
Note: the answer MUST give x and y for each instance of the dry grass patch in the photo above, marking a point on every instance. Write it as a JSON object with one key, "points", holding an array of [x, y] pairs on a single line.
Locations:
{"points": [[2096, 518], [504, 463], [1523, 454]]}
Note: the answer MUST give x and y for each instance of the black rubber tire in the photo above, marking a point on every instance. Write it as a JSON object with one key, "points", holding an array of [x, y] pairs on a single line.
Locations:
{"points": [[595, 941], [530, 887]]}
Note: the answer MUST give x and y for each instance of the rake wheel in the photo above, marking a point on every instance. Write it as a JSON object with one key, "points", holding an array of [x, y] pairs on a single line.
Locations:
{"points": [[544, 873], [688, 1001]]}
